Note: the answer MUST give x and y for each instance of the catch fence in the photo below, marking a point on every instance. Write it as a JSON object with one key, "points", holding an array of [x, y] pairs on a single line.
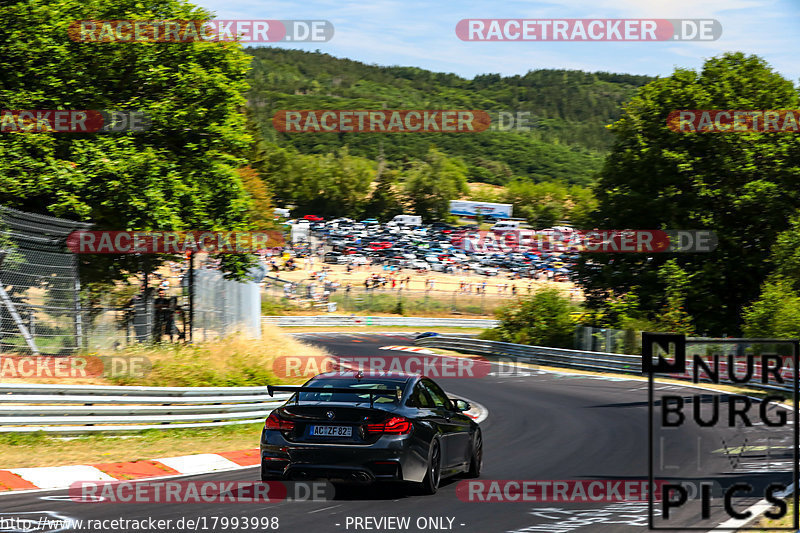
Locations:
{"points": [[40, 311], [445, 297], [44, 310]]}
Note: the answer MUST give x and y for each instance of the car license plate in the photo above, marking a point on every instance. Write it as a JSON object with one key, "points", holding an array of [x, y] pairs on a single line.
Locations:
{"points": [[332, 431]]}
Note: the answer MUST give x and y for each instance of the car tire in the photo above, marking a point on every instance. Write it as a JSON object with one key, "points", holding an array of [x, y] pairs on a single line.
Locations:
{"points": [[476, 462], [433, 474]]}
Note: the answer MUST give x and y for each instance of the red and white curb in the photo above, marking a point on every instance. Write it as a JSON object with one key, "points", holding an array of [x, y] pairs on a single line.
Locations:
{"points": [[477, 412], [61, 477], [414, 349]]}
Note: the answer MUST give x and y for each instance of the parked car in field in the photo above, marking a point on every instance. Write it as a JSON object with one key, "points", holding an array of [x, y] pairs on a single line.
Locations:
{"points": [[332, 257], [416, 243]]}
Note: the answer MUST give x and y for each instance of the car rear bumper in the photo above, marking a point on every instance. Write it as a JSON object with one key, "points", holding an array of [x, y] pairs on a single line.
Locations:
{"points": [[391, 458]]}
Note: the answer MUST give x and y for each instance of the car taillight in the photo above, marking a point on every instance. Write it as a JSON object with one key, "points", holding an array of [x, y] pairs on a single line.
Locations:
{"points": [[397, 425], [278, 423]]}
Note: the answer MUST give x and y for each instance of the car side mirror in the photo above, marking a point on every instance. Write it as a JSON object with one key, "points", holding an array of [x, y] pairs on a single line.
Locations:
{"points": [[461, 405]]}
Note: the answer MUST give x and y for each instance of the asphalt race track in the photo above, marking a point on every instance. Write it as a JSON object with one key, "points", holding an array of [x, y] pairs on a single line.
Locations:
{"points": [[541, 426]]}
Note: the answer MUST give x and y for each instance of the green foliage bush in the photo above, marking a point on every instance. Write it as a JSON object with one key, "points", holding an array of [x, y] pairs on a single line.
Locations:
{"points": [[542, 319], [742, 186]]}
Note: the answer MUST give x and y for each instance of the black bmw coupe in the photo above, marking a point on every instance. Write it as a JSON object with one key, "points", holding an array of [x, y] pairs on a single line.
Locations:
{"points": [[352, 427]]}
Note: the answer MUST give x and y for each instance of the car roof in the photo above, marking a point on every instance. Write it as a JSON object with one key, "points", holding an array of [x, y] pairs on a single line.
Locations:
{"points": [[407, 380], [344, 374]]}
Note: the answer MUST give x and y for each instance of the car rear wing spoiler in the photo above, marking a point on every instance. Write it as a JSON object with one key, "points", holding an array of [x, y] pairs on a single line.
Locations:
{"points": [[344, 390]]}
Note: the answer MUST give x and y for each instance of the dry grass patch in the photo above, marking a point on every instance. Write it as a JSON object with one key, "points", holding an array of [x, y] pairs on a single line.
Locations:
{"points": [[786, 522], [235, 361]]}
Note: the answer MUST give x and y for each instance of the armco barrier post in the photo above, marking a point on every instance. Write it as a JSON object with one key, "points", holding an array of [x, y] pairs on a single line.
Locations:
{"points": [[191, 297]]}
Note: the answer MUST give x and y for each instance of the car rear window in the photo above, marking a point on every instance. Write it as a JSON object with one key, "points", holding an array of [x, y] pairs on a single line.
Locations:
{"points": [[359, 390]]}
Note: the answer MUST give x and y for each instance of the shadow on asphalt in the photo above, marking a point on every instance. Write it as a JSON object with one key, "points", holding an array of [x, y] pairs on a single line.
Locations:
{"points": [[382, 491]]}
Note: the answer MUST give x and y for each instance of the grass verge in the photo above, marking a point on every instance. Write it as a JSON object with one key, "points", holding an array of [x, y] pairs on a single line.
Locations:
{"points": [[233, 361], [786, 521], [367, 329], [39, 449]]}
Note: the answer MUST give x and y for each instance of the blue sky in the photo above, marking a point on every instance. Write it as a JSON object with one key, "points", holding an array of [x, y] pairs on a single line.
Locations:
{"points": [[422, 33]]}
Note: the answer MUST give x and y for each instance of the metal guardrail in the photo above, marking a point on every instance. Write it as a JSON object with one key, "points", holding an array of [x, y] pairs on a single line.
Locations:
{"points": [[351, 320], [83, 409], [80, 409], [558, 357], [76, 409]]}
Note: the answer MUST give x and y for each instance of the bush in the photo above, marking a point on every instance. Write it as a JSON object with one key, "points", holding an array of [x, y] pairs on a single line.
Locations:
{"points": [[234, 361], [273, 306], [776, 314], [542, 319], [492, 334]]}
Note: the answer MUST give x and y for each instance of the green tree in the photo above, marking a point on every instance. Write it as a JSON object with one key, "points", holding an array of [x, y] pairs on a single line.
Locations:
{"points": [[262, 214], [541, 204], [617, 313], [180, 174], [546, 203], [581, 203], [785, 257], [342, 185], [567, 112], [776, 313], [673, 318], [384, 201], [740, 185], [335, 184], [431, 183], [542, 319]]}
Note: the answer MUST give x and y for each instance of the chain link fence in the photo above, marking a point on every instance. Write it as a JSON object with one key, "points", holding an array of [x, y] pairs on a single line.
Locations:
{"points": [[469, 299], [624, 341], [43, 310], [161, 313], [224, 306], [39, 286]]}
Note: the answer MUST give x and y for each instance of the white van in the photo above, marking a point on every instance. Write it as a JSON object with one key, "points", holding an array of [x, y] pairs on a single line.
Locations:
{"points": [[506, 225], [406, 220]]}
